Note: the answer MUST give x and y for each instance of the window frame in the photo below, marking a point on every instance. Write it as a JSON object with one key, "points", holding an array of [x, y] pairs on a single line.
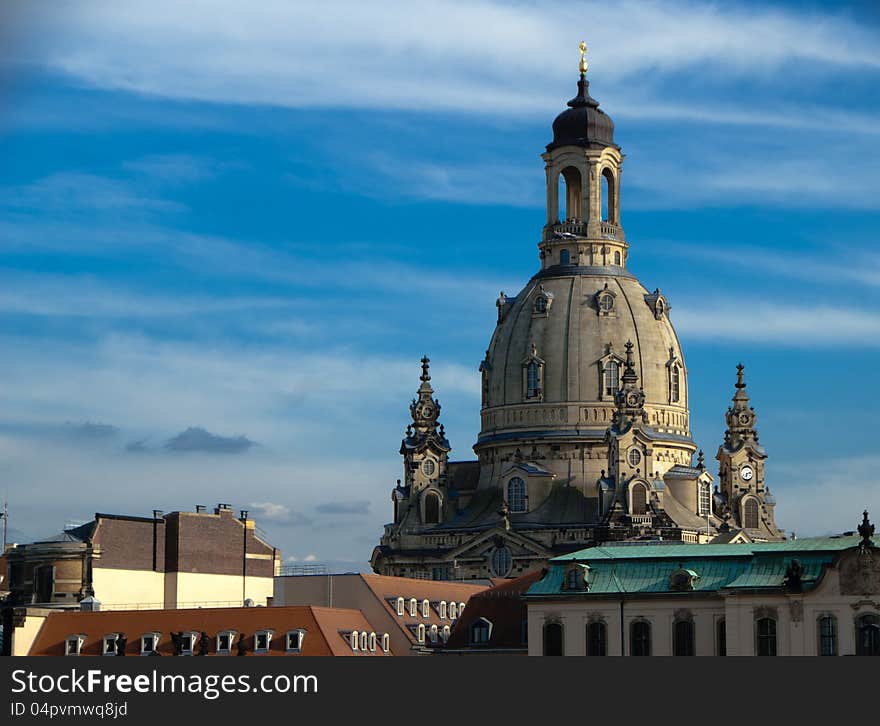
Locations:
{"points": [[413, 607], [597, 638], [518, 504], [824, 638], [230, 634], [301, 636], [873, 625], [401, 606], [480, 625], [77, 638], [553, 624], [643, 641], [109, 638], [684, 637], [426, 608], [156, 637], [268, 635], [770, 639], [751, 504]]}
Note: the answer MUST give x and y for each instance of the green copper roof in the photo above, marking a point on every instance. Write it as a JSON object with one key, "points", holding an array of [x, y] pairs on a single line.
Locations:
{"points": [[647, 568]]}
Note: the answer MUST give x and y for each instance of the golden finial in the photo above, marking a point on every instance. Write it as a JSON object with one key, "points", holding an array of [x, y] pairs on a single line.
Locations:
{"points": [[583, 64]]}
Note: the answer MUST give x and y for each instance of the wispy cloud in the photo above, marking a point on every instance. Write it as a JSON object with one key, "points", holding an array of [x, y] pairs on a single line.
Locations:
{"points": [[277, 52], [777, 323]]}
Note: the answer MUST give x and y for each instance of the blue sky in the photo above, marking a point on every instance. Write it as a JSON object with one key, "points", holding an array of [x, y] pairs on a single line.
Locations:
{"points": [[227, 235]]}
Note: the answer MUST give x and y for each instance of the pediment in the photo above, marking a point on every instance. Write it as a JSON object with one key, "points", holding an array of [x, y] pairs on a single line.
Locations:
{"points": [[517, 543]]}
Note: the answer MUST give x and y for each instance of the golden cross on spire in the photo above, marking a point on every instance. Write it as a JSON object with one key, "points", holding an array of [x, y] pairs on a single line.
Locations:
{"points": [[583, 64]]}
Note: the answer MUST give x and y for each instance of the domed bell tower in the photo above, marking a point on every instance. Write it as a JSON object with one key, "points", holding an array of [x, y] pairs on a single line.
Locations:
{"points": [[583, 166]]}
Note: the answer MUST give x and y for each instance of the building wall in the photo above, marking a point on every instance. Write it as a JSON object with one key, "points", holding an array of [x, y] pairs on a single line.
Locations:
{"points": [[796, 616], [24, 635], [124, 588], [194, 589]]}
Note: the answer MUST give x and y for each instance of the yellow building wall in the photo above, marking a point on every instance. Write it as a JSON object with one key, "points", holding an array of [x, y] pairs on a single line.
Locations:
{"points": [[23, 637], [129, 589], [192, 589]]}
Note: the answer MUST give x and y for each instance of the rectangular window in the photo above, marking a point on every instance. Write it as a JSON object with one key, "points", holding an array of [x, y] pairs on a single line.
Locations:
{"points": [[262, 639], [110, 645], [705, 499], [766, 634], [827, 635], [224, 642], [72, 645], [294, 641], [149, 643]]}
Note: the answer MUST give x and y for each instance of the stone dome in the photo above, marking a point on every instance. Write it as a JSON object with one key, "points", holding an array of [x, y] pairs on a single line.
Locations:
{"points": [[574, 323], [583, 123]]}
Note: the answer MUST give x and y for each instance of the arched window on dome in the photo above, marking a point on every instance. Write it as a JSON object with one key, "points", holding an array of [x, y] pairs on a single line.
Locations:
{"points": [[617, 258], [638, 499], [569, 194], [611, 377], [432, 508], [750, 513]]}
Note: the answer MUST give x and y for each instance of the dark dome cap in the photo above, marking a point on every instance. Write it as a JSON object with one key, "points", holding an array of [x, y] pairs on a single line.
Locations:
{"points": [[583, 123]]}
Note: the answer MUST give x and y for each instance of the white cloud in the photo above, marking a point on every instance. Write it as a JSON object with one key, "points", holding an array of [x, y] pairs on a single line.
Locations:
{"points": [[776, 324], [477, 56]]}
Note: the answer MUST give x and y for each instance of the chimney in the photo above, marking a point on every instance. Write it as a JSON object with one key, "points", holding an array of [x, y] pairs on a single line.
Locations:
{"points": [[157, 514], [223, 509], [244, 515], [200, 508]]}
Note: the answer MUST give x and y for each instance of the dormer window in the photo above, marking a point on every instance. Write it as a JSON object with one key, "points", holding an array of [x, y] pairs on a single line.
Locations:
{"points": [[262, 641], [420, 633], [426, 609], [386, 642], [109, 647], [372, 642], [73, 644], [413, 607], [187, 643], [225, 639], [517, 497], [543, 302], [576, 577], [453, 611], [481, 632], [149, 643], [364, 641], [682, 580], [443, 610], [293, 641], [433, 634], [354, 639], [400, 606]]}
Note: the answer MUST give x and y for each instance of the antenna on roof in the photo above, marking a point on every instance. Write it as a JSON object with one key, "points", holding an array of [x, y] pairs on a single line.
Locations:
{"points": [[4, 515]]}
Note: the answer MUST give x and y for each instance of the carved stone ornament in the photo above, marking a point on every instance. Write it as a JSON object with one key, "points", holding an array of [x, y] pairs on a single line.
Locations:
{"points": [[860, 572], [796, 608]]}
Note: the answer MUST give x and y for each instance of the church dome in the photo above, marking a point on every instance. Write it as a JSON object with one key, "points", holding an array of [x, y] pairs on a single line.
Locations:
{"points": [[583, 123], [556, 357]]}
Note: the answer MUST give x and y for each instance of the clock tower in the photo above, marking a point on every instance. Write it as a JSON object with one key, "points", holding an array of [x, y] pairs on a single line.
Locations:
{"points": [[746, 500]]}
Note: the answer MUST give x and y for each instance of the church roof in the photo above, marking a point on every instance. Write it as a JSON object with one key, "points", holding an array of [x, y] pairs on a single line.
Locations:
{"points": [[583, 123]]}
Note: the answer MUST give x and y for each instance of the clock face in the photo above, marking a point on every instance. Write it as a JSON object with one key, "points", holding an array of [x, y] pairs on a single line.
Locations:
{"points": [[746, 473], [632, 399], [744, 418], [427, 411]]}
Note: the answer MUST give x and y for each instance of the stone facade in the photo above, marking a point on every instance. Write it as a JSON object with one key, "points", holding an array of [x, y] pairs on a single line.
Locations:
{"points": [[585, 432]]}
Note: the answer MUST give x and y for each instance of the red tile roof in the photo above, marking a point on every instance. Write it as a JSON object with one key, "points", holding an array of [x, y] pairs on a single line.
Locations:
{"points": [[502, 606], [387, 589], [326, 629]]}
